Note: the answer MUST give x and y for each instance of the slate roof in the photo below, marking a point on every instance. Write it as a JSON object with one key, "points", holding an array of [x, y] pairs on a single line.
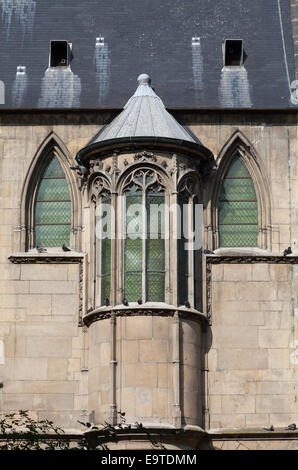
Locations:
{"points": [[144, 115], [155, 36]]}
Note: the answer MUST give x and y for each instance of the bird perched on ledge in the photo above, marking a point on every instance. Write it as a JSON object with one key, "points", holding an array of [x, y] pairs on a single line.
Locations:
{"points": [[288, 251], [291, 427], [269, 428], [65, 248], [41, 250]]}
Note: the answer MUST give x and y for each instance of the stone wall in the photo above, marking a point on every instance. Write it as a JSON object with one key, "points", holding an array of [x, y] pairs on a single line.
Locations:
{"points": [[252, 358]]}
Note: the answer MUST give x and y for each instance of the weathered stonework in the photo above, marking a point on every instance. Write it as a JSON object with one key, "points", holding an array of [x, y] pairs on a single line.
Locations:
{"points": [[237, 370]]}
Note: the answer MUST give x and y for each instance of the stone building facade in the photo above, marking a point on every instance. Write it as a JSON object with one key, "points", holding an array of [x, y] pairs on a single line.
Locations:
{"points": [[198, 345], [224, 368]]}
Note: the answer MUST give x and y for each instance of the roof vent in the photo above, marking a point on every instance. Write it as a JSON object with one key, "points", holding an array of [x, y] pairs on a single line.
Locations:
{"points": [[196, 41], [100, 41], [60, 53], [21, 70], [233, 52]]}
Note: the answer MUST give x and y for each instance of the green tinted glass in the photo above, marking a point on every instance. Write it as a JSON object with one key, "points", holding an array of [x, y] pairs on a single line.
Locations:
{"points": [[231, 235], [133, 246], [54, 170], [237, 169], [52, 208], [238, 208], [237, 189], [182, 252], [155, 287], [54, 189], [52, 235], [53, 212], [133, 286], [238, 212]]}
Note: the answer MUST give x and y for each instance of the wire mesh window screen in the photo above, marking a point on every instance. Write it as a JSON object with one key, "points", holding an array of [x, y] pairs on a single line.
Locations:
{"points": [[183, 273], [52, 214], [133, 246], [144, 253], [238, 208], [155, 248], [106, 248]]}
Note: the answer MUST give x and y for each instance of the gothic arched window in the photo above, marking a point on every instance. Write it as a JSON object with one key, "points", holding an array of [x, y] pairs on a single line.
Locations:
{"points": [[238, 207], [52, 208], [144, 246]]}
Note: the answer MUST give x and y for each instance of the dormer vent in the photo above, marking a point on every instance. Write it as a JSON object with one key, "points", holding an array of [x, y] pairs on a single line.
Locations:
{"points": [[233, 52], [59, 53]]}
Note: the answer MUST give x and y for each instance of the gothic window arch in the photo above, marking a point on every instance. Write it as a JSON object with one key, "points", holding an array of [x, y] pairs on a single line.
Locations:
{"points": [[50, 215], [188, 259], [240, 199], [103, 246]]}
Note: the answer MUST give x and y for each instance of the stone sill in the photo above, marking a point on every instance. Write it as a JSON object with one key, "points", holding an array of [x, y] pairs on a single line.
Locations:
{"points": [[252, 433], [55, 256]]}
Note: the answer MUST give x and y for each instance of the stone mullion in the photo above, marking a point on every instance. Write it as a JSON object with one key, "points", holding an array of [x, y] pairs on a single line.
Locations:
{"points": [[173, 269], [190, 243]]}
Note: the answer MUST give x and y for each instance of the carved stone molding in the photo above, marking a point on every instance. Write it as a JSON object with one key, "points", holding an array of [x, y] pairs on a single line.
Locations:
{"points": [[145, 157], [98, 315]]}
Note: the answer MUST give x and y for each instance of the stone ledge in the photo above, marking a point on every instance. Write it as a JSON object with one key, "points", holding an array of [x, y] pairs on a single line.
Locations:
{"points": [[49, 257], [147, 309]]}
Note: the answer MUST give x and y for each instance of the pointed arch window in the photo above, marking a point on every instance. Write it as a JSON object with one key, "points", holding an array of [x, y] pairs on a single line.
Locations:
{"points": [[144, 247], [238, 207], [52, 209]]}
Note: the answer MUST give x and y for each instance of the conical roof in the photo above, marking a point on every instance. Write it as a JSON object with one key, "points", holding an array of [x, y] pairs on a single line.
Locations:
{"points": [[144, 115]]}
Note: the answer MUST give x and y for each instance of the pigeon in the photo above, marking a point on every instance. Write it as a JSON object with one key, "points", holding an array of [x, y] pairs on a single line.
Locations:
{"points": [[291, 427], [140, 301], [187, 304], [41, 250], [209, 252], [269, 428], [107, 302], [65, 248], [288, 251], [125, 302]]}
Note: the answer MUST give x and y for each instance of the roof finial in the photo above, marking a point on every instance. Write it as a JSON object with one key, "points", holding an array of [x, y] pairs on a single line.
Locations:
{"points": [[144, 79]]}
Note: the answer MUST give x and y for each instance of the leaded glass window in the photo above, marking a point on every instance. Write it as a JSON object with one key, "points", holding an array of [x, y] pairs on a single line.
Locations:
{"points": [[238, 208], [144, 247], [106, 249], [52, 215], [183, 258]]}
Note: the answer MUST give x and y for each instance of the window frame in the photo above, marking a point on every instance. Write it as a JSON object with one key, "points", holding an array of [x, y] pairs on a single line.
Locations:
{"points": [[51, 146]]}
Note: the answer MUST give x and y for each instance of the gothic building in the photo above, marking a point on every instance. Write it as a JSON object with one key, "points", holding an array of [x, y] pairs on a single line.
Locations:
{"points": [[148, 250]]}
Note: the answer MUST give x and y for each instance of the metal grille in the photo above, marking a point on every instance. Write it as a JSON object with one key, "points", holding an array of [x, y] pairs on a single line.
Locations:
{"points": [[238, 208], [155, 287], [182, 253], [106, 250], [52, 208], [52, 235], [144, 260], [133, 286]]}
